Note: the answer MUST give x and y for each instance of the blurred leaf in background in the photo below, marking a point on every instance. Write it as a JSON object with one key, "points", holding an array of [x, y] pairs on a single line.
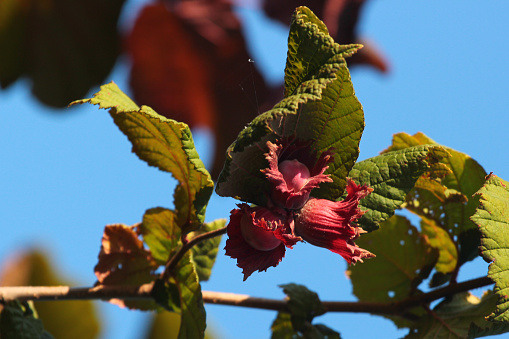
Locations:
{"points": [[63, 319], [63, 46]]}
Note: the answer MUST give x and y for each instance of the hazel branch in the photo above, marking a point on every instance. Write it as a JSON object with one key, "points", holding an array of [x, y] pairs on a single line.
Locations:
{"points": [[232, 299]]}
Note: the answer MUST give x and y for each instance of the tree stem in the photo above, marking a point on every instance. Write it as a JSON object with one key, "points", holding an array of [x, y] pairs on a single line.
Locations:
{"points": [[232, 299]]}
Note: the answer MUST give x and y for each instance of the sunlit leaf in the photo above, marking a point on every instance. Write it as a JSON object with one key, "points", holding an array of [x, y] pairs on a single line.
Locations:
{"points": [[34, 269], [320, 107], [123, 260], [205, 252], [403, 259], [492, 217], [341, 18], [165, 144], [441, 240], [452, 206], [455, 317], [123, 257], [64, 47], [392, 175], [161, 233]]}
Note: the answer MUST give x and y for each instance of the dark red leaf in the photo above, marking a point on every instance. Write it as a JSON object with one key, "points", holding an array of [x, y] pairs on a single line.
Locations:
{"points": [[190, 63]]}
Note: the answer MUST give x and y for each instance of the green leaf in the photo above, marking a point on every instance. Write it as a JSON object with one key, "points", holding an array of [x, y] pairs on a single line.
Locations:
{"points": [[451, 205], [392, 175], [403, 259], [19, 321], [166, 144], [305, 55], [182, 294], [319, 107], [282, 328], [492, 217], [303, 304], [192, 325], [438, 238], [454, 318], [205, 252], [161, 233]]}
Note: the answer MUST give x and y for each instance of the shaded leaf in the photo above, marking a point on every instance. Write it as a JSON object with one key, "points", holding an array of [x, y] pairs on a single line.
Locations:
{"points": [[438, 238], [452, 205], [492, 217], [19, 321], [403, 259], [190, 62], [191, 309], [282, 327], [204, 253], [165, 144], [341, 18], [303, 305], [34, 269], [392, 175], [192, 324], [124, 261], [63, 47], [166, 294], [320, 107], [455, 317]]}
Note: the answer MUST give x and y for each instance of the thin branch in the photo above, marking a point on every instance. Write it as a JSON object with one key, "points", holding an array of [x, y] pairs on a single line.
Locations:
{"points": [[101, 292], [232, 299], [170, 265]]}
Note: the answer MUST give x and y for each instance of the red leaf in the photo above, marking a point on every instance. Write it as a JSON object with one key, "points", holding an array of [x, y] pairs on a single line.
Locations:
{"points": [[190, 63], [123, 260]]}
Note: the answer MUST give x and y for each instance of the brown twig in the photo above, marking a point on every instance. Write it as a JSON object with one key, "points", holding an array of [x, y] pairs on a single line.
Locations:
{"points": [[170, 265], [232, 299]]}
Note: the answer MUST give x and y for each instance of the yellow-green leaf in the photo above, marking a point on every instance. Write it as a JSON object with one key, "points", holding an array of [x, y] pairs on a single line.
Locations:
{"points": [[452, 206], [492, 217], [166, 144], [441, 240]]}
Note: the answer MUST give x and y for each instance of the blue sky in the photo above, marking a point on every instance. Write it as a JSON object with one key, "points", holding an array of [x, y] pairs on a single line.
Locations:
{"points": [[66, 175]]}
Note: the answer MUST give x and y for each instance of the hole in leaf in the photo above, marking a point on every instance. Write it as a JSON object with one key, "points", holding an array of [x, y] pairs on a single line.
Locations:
{"points": [[391, 294], [402, 242]]}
